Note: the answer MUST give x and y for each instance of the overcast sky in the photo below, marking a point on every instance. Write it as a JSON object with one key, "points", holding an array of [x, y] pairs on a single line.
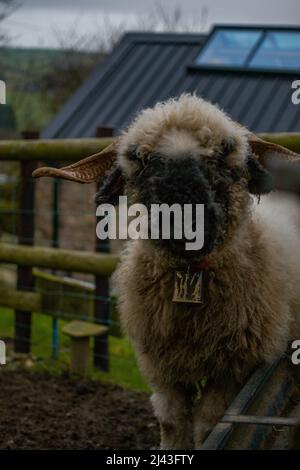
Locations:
{"points": [[39, 22]]}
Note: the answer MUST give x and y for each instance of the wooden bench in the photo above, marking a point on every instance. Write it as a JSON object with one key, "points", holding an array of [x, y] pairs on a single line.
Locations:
{"points": [[80, 333]]}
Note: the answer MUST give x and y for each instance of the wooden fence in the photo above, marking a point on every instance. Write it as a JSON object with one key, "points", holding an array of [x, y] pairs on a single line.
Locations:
{"points": [[28, 152]]}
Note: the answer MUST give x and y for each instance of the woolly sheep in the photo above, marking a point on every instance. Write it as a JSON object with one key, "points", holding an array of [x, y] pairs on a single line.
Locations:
{"points": [[187, 149]]}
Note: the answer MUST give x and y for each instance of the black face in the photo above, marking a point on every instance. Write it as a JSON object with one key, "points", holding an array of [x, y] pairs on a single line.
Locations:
{"points": [[187, 180]]}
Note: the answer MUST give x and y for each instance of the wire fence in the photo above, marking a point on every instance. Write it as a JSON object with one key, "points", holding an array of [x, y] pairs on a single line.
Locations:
{"points": [[56, 215]]}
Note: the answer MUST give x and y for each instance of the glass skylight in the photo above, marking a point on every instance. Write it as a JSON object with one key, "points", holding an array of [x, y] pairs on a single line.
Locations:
{"points": [[252, 48], [279, 50], [229, 47]]}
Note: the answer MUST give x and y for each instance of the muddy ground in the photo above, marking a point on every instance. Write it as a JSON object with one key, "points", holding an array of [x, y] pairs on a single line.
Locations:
{"points": [[42, 411], [39, 411]]}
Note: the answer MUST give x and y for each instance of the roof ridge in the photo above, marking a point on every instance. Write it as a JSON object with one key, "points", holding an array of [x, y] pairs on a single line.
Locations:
{"points": [[159, 36]]}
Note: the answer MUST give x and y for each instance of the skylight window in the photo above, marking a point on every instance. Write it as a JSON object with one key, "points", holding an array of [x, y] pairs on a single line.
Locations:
{"points": [[229, 47], [252, 48], [279, 50]]}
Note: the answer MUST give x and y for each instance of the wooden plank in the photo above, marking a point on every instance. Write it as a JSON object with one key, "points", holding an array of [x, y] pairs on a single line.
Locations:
{"points": [[56, 258], [82, 329], [66, 297], [20, 299], [51, 150]]}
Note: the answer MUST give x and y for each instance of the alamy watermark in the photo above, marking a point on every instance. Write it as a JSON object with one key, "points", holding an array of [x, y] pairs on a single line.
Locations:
{"points": [[160, 222], [296, 93], [295, 358], [2, 353], [2, 92]]}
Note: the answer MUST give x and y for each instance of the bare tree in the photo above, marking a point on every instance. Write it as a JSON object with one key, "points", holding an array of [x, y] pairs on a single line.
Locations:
{"points": [[69, 67], [158, 19], [7, 7], [79, 53], [162, 19]]}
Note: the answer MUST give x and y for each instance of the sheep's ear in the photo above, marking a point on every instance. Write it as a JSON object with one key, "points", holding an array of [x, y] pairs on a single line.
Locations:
{"points": [[88, 170], [268, 152], [260, 179], [111, 187]]}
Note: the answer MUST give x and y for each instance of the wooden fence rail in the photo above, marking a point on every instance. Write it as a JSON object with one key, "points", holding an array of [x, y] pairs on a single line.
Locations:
{"points": [[20, 300], [51, 150], [75, 149], [59, 259]]}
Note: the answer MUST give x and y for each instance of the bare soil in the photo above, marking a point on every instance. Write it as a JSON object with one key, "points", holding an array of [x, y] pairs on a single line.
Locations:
{"points": [[40, 411]]}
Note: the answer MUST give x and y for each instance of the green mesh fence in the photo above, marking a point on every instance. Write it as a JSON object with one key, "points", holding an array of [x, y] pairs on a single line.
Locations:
{"points": [[59, 214]]}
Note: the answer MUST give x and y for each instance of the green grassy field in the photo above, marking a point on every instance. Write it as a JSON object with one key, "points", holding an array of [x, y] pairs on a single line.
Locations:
{"points": [[123, 368], [30, 108]]}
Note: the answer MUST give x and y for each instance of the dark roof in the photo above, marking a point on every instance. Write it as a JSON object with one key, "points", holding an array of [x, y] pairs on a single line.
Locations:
{"points": [[148, 67]]}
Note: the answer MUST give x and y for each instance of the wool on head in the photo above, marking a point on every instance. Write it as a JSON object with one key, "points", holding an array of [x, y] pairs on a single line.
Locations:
{"points": [[188, 124]]}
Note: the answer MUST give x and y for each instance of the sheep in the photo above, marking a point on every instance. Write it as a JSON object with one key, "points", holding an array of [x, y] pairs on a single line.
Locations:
{"points": [[188, 150]]}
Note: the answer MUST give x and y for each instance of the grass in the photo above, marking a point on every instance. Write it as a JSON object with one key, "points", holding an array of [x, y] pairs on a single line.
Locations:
{"points": [[123, 367]]}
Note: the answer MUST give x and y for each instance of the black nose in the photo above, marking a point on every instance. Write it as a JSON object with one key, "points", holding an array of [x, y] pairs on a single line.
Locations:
{"points": [[182, 180], [175, 180]]}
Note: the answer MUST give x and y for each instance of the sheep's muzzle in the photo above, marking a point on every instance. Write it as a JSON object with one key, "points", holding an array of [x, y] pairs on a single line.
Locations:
{"points": [[184, 180]]}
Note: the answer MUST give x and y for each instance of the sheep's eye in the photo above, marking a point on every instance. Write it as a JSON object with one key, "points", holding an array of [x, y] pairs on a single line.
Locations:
{"points": [[136, 155], [227, 147], [133, 155]]}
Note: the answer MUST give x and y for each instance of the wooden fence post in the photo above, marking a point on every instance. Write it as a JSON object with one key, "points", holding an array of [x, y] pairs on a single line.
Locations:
{"points": [[55, 244], [25, 279], [102, 301]]}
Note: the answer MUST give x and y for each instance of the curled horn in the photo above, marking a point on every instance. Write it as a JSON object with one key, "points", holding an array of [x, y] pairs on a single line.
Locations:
{"points": [[88, 170]]}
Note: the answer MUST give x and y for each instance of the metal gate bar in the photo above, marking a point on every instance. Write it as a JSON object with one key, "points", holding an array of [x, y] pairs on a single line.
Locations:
{"points": [[235, 413], [265, 420]]}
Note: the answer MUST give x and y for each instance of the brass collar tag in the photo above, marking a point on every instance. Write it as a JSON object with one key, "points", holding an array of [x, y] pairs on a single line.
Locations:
{"points": [[188, 286]]}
